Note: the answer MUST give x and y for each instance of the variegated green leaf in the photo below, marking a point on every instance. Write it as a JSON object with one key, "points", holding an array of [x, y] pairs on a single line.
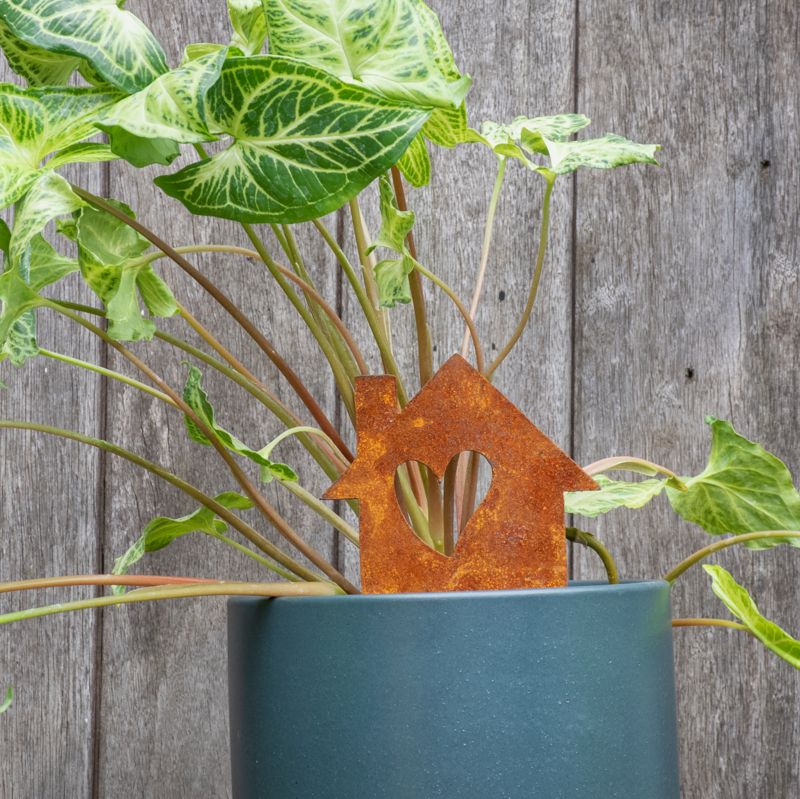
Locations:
{"points": [[116, 43], [607, 152], [196, 398], [146, 127], [109, 257], [395, 224], [45, 265], [17, 321], [391, 277], [395, 47], [304, 143], [84, 152], [38, 67], [447, 127], [741, 604], [249, 25], [415, 163], [34, 123], [612, 494]]}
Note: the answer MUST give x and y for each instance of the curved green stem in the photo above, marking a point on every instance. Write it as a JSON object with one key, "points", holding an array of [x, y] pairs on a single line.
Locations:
{"points": [[733, 625], [766, 535], [588, 540], [99, 579], [537, 274], [321, 509], [485, 250]]}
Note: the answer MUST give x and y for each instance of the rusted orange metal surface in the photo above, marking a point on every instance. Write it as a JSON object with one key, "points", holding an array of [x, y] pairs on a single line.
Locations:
{"points": [[514, 539]]}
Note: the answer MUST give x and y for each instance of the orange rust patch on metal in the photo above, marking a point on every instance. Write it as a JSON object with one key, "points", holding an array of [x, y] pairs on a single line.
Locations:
{"points": [[514, 539]]}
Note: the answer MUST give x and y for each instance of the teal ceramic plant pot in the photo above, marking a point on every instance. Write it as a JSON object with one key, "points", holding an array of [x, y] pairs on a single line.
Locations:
{"points": [[536, 694]]}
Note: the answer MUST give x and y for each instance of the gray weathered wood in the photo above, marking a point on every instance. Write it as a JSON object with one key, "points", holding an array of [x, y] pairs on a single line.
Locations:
{"points": [[687, 297]]}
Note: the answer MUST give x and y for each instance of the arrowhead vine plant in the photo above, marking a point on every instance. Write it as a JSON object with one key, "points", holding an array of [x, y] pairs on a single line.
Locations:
{"points": [[312, 106]]}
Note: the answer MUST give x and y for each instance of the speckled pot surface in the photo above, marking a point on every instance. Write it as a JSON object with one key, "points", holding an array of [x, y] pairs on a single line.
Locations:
{"points": [[540, 694]]}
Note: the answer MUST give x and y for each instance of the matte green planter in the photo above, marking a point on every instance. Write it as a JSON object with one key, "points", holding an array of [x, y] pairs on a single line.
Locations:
{"points": [[539, 694]]}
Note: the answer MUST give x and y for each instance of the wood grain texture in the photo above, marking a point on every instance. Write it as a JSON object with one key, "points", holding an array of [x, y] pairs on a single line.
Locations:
{"points": [[687, 296]]}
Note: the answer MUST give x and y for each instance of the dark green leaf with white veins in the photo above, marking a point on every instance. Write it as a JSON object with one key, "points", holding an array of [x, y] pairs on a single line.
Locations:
{"points": [[607, 152], [395, 224], [196, 398], [741, 604], [612, 494], [38, 67], [395, 47], [109, 255], [249, 25], [116, 43], [743, 489], [304, 143], [168, 111], [163, 530]]}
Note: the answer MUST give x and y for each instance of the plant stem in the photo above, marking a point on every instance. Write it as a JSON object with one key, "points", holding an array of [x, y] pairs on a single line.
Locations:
{"points": [[485, 250], [537, 274], [588, 540], [709, 623], [177, 592], [110, 373], [424, 346], [224, 513], [471, 329], [321, 509], [256, 557], [246, 324], [766, 535], [99, 579]]}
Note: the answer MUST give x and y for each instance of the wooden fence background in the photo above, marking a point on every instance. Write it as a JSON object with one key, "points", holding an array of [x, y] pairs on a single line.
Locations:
{"points": [[669, 294]]}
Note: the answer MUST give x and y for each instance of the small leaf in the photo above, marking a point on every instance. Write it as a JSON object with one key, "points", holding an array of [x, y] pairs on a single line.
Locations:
{"points": [[743, 489], [607, 152], [46, 266], [196, 398], [415, 163], [395, 224], [304, 143], [8, 701], [17, 322], [391, 277], [146, 127], [741, 604], [117, 44], [163, 530], [612, 494], [249, 25], [395, 47]]}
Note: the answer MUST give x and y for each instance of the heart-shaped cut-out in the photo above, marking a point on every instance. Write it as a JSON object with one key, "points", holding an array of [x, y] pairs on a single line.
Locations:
{"points": [[438, 510]]}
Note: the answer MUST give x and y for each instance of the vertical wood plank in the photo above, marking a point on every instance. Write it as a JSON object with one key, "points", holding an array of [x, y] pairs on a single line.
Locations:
{"points": [[687, 296], [51, 518]]}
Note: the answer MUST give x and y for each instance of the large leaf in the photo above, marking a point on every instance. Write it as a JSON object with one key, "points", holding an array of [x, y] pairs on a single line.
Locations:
{"points": [[196, 398], [249, 25], [34, 123], [163, 530], [38, 67], [117, 44], [612, 494], [109, 255], [740, 603], [146, 127], [743, 489], [607, 152], [395, 47], [304, 143]]}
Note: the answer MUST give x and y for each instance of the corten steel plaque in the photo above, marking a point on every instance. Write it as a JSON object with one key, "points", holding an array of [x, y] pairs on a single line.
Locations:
{"points": [[514, 539]]}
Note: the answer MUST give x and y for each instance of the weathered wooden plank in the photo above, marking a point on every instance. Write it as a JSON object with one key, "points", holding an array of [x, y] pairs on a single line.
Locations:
{"points": [[164, 690], [687, 290], [520, 56], [49, 497]]}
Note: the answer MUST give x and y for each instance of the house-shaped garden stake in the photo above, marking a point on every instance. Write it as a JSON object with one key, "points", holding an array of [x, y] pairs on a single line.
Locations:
{"points": [[514, 539]]}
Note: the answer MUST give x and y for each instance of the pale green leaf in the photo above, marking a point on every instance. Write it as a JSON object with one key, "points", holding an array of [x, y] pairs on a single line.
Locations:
{"points": [[8, 701], [415, 163], [249, 25], [163, 530], [156, 294], [743, 489], [201, 49], [38, 67], [395, 224], [607, 152], [47, 266], [395, 47], [391, 277], [447, 127], [304, 143], [741, 604], [17, 321], [612, 494], [196, 398], [117, 44], [85, 152], [169, 111]]}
